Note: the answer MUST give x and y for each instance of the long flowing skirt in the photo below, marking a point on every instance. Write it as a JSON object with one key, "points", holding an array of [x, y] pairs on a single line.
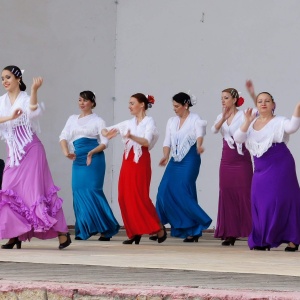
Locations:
{"points": [[234, 211], [138, 212], [177, 202], [275, 199], [92, 211], [29, 204]]}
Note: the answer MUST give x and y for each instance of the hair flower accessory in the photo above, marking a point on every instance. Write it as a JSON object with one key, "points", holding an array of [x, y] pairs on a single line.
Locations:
{"points": [[240, 101], [151, 100], [193, 100]]}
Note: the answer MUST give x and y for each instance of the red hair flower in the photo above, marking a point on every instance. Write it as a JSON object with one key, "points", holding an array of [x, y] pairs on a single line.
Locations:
{"points": [[240, 101], [150, 99]]}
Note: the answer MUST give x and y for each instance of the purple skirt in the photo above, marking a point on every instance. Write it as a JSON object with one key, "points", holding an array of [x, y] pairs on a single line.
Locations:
{"points": [[234, 211], [275, 199], [29, 205]]}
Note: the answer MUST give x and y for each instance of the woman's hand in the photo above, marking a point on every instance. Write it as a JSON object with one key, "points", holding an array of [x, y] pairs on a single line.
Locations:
{"points": [[36, 83], [249, 116], [227, 112], [89, 158], [71, 156], [16, 114], [164, 161], [109, 133], [200, 149], [128, 134]]}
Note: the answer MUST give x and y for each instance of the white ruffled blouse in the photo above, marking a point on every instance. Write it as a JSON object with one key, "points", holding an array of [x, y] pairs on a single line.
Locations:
{"points": [[145, 129], [276, 130], [18, 132], [89, 127], [180, 140], [227, 131]]}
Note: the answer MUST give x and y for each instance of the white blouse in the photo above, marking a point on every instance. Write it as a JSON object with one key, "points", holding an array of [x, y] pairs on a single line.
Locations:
{"points": [[145, 129], [276, 130], [89, 127], [180, 140], [227, 131], [18, 132]]}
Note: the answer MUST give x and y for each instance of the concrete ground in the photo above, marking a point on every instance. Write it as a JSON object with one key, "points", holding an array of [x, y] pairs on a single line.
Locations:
{"points": [[172, 270]]}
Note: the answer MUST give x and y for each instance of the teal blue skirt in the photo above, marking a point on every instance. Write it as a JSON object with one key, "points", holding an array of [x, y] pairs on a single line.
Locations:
{"points": [[177, 202], [92, 211]]}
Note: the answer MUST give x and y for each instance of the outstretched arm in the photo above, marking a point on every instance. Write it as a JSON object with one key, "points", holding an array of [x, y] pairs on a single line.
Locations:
{"points": [[17, 113], [291, 126], [250, 89], [36, 84]]}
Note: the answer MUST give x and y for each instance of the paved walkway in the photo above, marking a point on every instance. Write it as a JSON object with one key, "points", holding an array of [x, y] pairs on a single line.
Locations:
{"points": [[171, 270]]}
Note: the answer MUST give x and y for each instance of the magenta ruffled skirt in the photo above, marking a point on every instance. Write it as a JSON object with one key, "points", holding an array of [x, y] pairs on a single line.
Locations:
{"points": [[29, 204]]}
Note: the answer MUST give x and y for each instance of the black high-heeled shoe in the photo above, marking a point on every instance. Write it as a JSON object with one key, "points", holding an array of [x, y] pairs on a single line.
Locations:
{"points": [[292, 249], [191, 239], [104, 239], [229, 241], [162, 238], [66, 243], [153, 237], [11, 245], [136, 239], [261, 248]]}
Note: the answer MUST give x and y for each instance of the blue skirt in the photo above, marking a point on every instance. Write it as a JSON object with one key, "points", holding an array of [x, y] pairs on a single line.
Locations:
{"points": [[177, 202], [92, 211]]}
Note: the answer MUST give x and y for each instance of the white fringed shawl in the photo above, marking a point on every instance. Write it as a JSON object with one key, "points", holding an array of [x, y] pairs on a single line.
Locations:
{"points": [[145, 129], [180, 140], [258, 142], [227, 131], [18, 133]]}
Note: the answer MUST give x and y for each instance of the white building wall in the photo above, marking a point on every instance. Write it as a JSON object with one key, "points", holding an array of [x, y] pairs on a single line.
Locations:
{"points": [[71, 44], [162, 47]]}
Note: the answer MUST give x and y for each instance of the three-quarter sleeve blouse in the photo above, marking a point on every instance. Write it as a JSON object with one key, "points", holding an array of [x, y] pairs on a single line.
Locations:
{"points": [[89, 127], [145, 129], [227, 131], [276, 130], [180, 140]]}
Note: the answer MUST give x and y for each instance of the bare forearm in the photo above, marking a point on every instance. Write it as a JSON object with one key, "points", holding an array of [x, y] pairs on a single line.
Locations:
{"points": [[219, 124], [64, 147], [166, 152], [142, 141], [5, 119], [99, 148]]}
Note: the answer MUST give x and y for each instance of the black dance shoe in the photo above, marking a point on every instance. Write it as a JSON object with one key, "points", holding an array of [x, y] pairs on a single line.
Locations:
{"points": [[136, 239], [78, 238], [229, 241], [292, 249], [261, 248], [13, 242], [191, 239], [153, 237], [66, 243], [104, 239], [162, 238]]}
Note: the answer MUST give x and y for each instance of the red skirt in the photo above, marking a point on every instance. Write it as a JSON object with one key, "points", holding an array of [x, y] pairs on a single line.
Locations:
{"points": [[138, 212]]}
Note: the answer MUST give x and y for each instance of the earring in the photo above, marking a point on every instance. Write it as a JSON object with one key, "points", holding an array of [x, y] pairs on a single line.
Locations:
{"points": [[19, 82]]}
